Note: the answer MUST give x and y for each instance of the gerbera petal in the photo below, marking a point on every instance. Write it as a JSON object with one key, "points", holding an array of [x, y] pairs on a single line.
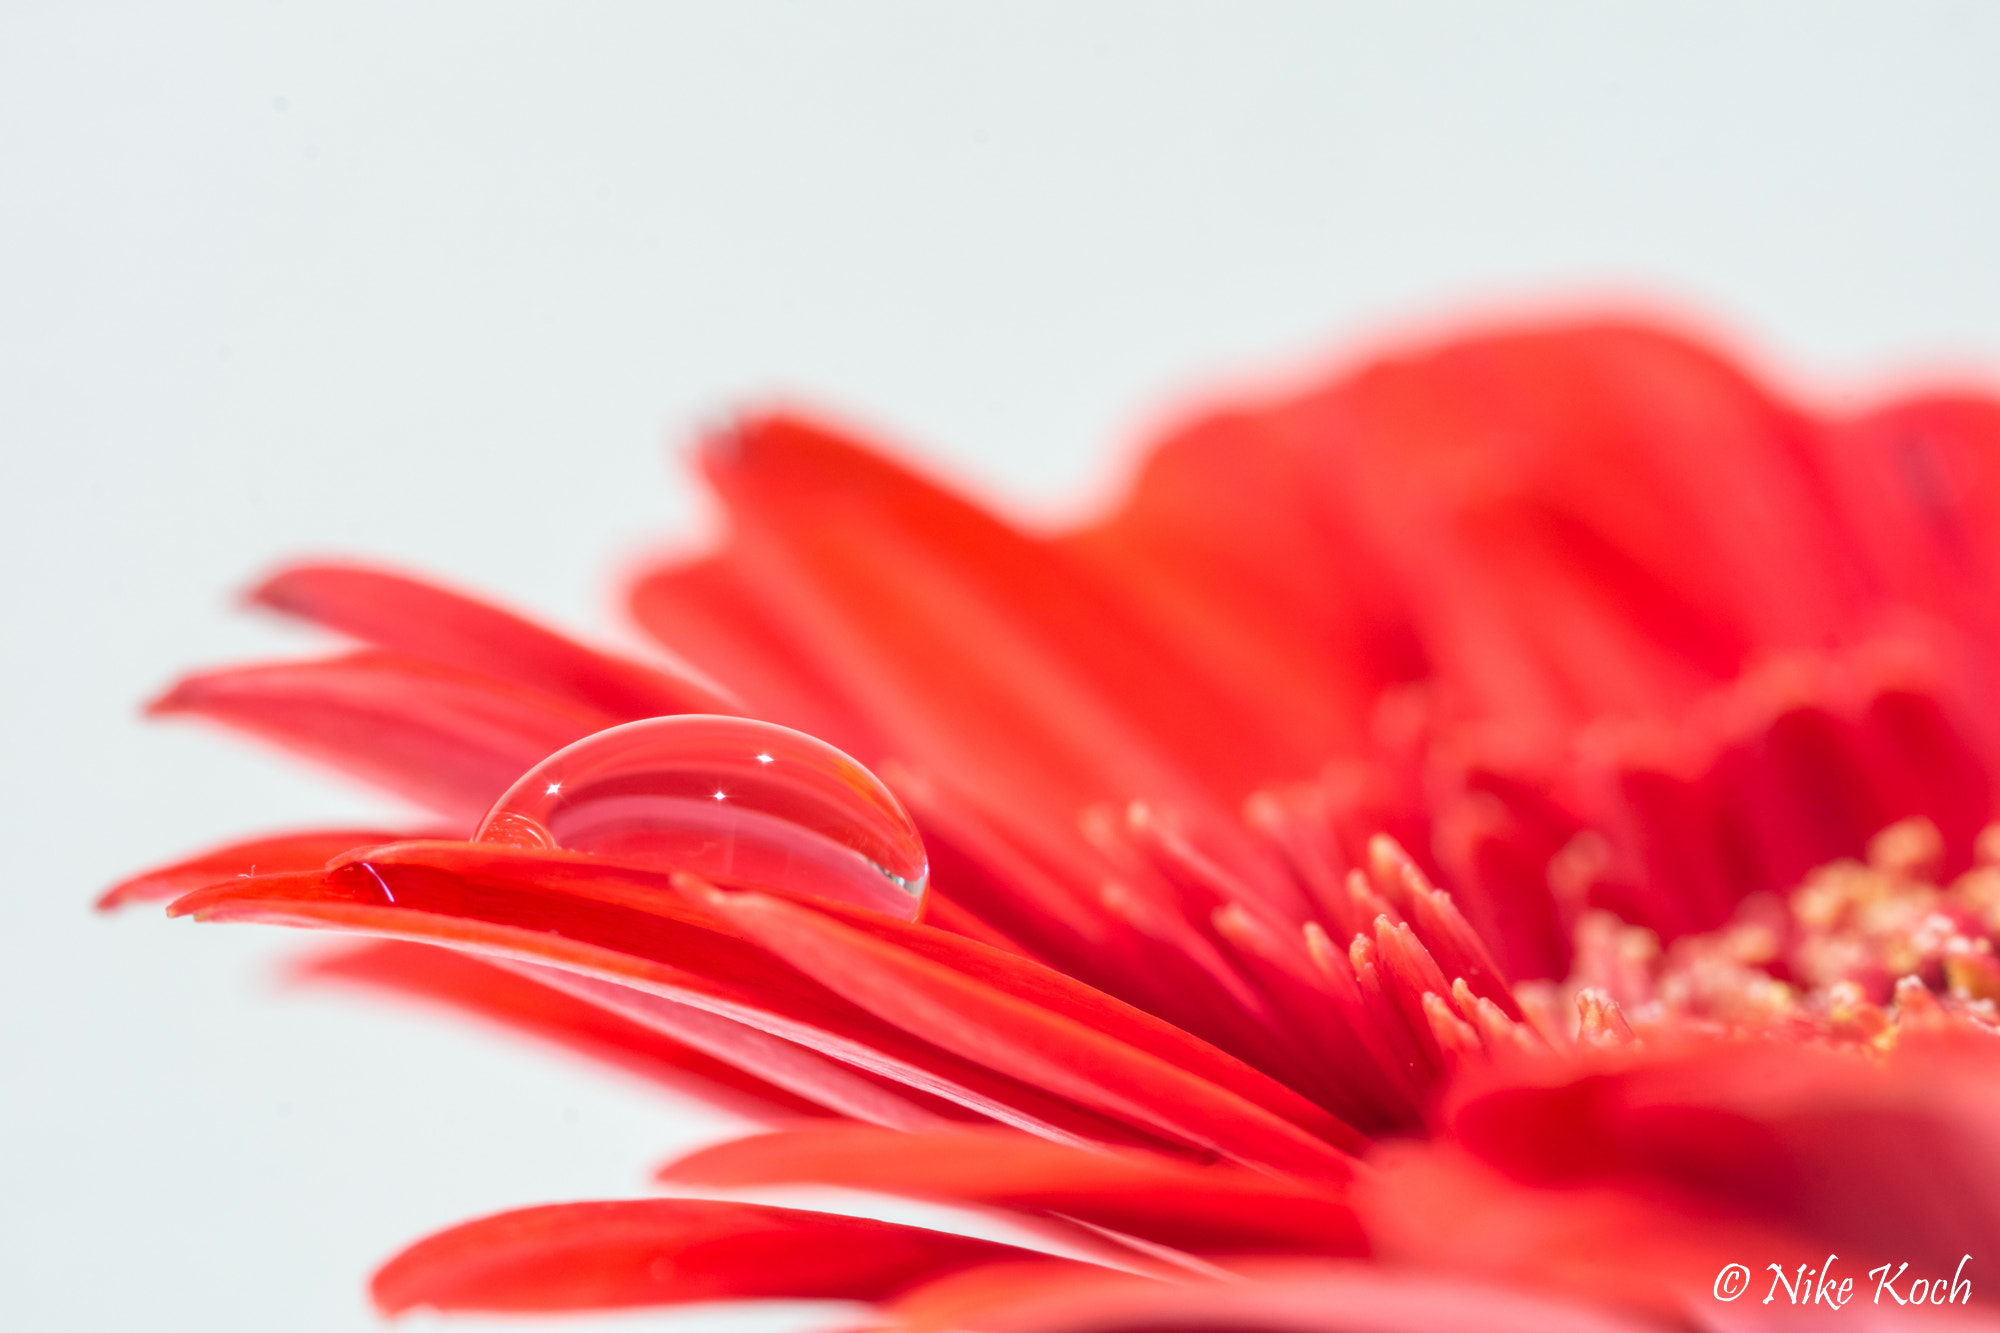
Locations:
{"points": [[1275, 1297], [634, 930], [581, 1256], [1202, 1209], [1055, 892], [1919, 485], [1813, 757], [1433, 1209], [419, 619], [446, 738], [1064, 996], [1583, 519], [1539, 664], [1889, 1156], [308, 849], [1220, 544], [945, 913], [706, 611], [1069, 1058], [468, 984], [971, 646], [840, 1088]]}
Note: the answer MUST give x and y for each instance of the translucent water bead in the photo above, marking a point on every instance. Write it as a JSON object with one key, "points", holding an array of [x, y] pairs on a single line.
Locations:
{"points": [[733, 800]]}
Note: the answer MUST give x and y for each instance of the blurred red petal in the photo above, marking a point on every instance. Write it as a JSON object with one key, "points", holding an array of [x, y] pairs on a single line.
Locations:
{"points": [[1278, 1297], [421, 620], [1648, 1253], [706, 611], [1823, 1142], [973, 647], [584, 1256], [447, 739]]}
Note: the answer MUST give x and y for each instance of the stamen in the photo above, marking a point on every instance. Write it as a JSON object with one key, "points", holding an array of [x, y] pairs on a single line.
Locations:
{"points": [[1454, 1036], [1856, 951], [1497, 1032], [1600, 1022], [1910, 849]]}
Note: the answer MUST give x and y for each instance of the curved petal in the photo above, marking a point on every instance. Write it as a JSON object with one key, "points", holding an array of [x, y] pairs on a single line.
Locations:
{"points": [[1432, 1207], [840, 1088], [1274, 1297], [1221, 546], [1900, 1155], [1583, 518], [470, 985], [645, 913], [1045, 1049], [1201, 1209], [706, 611], [417, 619], [446, 738], [1918, 481], [972, 647], [582, 1256], [634, 930], [308, 849]]}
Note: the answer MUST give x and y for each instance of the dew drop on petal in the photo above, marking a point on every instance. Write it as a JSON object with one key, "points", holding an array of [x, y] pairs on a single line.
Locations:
{"points": [[731, 799]]}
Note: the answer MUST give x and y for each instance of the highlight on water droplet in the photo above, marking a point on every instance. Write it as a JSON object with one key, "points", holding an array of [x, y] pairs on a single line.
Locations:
{"points": [[734, 800]]}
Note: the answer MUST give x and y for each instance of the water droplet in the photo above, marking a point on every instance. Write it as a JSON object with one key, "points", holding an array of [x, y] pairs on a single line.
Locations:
{"points": [[731, 799]]}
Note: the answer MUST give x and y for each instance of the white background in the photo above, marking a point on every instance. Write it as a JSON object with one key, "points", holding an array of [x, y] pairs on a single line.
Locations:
{"points": [[445, 285]]}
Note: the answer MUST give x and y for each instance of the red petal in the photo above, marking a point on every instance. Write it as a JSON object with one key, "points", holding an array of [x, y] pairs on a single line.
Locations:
{"points": [[633, 929], [443, 737], [1221, 546], [580, 1256], [1897, 1157], [973, 648], [1069, 1058], [1582, 519], [1047, 887], [1432, 1208], [1820, 753], [944, 914], [1063, 995], [704, 611], [840, 1088], [502, 996], [1277, 1297], [419, 620], [1203, 1209], [308, 849], [1919, 484]]}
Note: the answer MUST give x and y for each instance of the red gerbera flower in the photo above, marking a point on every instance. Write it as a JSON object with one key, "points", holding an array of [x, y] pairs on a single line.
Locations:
{"points": [[1490, 840]]}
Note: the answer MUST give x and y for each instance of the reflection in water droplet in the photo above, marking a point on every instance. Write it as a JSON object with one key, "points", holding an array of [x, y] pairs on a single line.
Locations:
{"points": [[731, 799]]}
